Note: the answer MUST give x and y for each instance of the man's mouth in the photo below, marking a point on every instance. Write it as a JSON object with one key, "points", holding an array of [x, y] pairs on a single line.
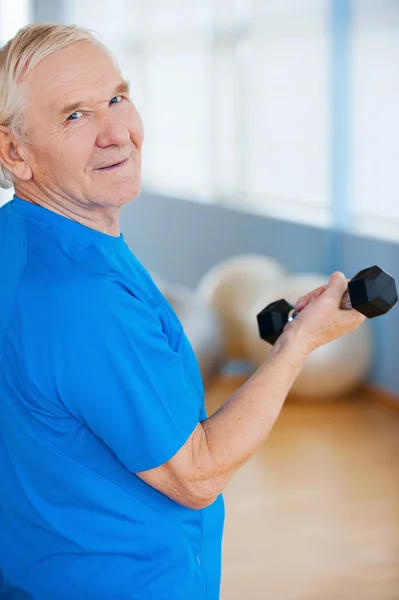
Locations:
{"points": [[113, 166]]}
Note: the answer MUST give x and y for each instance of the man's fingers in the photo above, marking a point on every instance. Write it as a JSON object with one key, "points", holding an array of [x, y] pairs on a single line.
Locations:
{"points": [[303, 301], [337, 286]]}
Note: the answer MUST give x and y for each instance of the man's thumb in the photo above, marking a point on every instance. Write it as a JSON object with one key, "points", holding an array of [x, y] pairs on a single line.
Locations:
{"points": [[337, 285]]}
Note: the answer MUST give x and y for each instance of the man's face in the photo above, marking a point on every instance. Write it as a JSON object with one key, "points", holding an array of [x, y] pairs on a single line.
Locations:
{"points": [[81, 122]]}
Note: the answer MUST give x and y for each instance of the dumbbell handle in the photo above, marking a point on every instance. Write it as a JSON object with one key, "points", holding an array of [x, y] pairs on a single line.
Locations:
{"points": [[345, 305]]}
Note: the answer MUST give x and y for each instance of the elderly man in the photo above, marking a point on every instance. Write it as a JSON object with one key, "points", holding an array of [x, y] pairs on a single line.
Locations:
{"points": [[112, 473]]}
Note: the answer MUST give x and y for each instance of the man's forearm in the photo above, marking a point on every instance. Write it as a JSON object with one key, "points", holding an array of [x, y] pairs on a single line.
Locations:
{"points": [[232, 434]]}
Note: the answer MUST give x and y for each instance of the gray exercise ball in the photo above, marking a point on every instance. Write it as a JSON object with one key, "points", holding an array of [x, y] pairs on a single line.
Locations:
{"points": [[332, 369]]}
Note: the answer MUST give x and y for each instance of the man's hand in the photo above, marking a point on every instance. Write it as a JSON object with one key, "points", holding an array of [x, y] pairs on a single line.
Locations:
{"points": [[320, 319]]}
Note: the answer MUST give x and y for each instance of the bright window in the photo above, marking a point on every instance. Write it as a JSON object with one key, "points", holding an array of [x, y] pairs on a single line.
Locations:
{"points": [[374, 118]]}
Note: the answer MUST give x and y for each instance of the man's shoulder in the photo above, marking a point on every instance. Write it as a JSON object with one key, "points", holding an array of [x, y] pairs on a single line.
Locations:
{"points": [[66, 284], [58, 265], [61, 283]]}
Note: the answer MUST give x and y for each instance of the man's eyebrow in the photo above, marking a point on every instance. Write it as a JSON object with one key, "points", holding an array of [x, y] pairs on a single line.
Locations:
{"points": [[123, 88]]}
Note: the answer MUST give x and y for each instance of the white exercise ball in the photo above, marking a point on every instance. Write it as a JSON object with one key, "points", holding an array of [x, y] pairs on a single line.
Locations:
{"points": [[231, 287], [332, 369], [201, 325]]}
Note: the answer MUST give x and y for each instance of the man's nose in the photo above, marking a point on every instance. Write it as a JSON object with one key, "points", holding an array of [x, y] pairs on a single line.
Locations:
{"points": [[112, 132]]}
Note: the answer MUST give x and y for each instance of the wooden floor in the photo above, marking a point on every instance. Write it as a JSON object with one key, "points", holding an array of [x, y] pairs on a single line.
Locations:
{"points": [[314, 515]]}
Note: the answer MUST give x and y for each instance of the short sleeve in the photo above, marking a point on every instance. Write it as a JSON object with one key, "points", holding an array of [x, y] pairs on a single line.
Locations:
{"points": [[115, 370]]}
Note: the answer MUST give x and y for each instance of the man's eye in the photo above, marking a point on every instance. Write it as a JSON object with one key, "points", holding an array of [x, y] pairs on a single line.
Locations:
{"points": [[75, 116], [116, 99]]}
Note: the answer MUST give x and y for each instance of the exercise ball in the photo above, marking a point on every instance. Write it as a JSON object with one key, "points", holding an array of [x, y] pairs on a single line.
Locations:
{"points": [[201, 325], [231, 287], [332, 369]]}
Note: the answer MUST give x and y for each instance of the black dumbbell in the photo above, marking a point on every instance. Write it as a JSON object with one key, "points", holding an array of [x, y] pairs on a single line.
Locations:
{"points": [[371, 292]]}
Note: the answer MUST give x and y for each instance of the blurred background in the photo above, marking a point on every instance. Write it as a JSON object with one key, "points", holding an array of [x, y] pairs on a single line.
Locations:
{"points": [[272, 134]]}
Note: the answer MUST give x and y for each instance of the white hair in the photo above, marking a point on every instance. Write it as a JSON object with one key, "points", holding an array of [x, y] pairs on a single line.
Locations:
{"points": [[18, 57]]}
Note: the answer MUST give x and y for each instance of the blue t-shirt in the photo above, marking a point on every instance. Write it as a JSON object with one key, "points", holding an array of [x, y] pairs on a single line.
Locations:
{"points": [[97, 382]]}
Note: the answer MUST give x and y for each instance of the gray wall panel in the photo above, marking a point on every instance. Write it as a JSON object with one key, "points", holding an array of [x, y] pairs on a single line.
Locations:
{"points": [[181, 240]]}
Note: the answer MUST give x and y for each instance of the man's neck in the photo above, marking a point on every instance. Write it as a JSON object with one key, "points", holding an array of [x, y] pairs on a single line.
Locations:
{"points": [[101, 218]]}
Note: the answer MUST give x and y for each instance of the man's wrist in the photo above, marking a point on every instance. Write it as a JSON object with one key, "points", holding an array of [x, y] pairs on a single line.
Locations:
{"points": [[293, 346]]}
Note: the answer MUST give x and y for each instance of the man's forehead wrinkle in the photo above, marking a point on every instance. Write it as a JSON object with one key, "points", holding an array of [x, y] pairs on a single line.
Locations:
{"points": [[84, 73], [82, 92], [65, 82], [49, 82], [78, 65], [77, 92]]}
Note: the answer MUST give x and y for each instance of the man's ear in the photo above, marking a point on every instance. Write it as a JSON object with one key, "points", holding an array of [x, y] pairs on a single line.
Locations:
{"points": [[11, 156]]}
